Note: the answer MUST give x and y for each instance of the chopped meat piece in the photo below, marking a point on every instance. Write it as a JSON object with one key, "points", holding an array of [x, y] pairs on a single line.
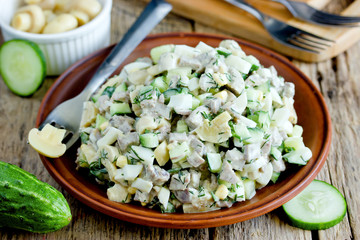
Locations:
{"points": [[213, 103], [195, 178], [196, 144], [252, 151], [227, 174], [156, 174], [180, 180], [195, 159], [289, 90], [194, 63], [224, 204], [131, 138], [121, 96], [183, 196], [104, 103], [123, 123], [236, 159], [196, 118], [141, 196], [177, 137]]}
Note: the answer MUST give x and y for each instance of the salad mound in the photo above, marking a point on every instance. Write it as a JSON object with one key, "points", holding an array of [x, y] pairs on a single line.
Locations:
{"points": [[191, 129]]}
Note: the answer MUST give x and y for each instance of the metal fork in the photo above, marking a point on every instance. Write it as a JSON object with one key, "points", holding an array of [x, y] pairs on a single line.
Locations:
{"points": [[307, 13], [67, 115], [284, 33]]}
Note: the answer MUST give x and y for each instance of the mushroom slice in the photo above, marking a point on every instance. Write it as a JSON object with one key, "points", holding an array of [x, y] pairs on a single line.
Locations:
{"points": [[48, 141]]}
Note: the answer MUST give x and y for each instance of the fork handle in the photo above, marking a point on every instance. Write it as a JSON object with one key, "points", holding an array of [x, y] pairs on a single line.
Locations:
{"points": [[154, 12], [250, 9]]}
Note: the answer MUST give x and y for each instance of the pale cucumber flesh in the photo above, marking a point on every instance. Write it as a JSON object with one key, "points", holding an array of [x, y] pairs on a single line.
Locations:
{"points": [[22, 66], [318, 206]]}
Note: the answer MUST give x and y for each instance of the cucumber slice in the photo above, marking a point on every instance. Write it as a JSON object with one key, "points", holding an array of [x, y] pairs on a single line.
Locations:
{"points": [[319, 206], [181, 126], [22, 66], [119, 108], [149, 140], [160, 83], [215, 163]]}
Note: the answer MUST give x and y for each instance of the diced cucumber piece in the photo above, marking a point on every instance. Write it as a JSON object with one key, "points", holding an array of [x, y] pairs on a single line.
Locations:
{"points": [[149, 140], [249, 188], [203, 47], [253, 96], [253, 60], [280, 116], [132, 171], [297, 131], [238, 63], [142, 154], [256, 135], [203, 97], [99, 121], [294, 143], [173, 91], [227, 184], [275, 176], [319, 206], [265, 87], [121, 88], [262, 119], [214, 161], [275, 153], [181, 72], [193, 84], [181, 126], [136, 66], [241, 132], [299, 157], [22, 66], [156, 52], [195, 103], [184, 50], [179, 152], [160, 83], [119, 108]]}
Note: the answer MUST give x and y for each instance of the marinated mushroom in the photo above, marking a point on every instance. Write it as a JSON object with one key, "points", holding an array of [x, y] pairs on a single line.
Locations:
{"points": [[62, 23], [30, 18], [48, 141], [54, 16]]}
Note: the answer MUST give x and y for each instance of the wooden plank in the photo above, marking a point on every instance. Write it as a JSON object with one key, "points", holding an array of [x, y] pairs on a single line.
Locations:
{"points": [[224, 16]]}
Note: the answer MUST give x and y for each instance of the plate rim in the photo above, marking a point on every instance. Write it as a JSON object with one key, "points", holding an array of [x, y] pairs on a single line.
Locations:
{"points": [[172, 220]]}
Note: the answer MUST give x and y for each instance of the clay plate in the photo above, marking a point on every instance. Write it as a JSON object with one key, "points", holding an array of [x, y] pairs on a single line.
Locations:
{"points": [[310, 106]]}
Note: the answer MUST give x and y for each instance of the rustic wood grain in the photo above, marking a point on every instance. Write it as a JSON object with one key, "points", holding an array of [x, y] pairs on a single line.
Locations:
{"points": [[338, 80]]}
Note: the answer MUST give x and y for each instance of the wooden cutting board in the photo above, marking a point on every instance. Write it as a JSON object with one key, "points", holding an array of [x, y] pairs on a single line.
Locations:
{"points": [[224, 16]]}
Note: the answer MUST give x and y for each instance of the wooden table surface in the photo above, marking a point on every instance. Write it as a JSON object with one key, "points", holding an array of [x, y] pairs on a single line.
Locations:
{"points": [[339, 81]]}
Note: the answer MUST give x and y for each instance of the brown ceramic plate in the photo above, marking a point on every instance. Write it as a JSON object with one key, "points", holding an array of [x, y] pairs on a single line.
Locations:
{"points": [[310, 106]]}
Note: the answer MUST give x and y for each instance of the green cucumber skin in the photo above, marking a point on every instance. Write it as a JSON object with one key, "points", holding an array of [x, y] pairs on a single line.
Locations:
{"points": [[43, 63], [29, 204], [316, 226]]}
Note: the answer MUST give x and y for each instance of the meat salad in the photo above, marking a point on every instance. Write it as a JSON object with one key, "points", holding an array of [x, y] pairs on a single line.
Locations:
{"points": [[191, 129]]}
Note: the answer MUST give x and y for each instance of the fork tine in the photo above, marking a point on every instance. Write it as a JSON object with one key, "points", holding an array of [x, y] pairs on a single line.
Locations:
{"points": [[324, 16], [295, 44], [303, 42], [314, 35], [300, 35]]}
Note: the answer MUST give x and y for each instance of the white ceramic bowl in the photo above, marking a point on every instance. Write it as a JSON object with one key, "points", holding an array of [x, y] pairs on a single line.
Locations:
{"points": [[62, 49]]}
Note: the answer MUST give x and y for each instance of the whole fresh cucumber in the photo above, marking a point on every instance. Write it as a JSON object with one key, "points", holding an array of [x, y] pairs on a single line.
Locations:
{"points": [[30, 204]]}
